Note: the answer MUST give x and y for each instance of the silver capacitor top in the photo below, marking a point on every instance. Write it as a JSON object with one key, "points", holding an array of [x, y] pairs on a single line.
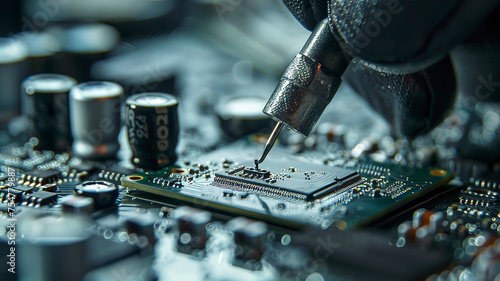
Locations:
{"points": [[48, 84], [95, 119]]}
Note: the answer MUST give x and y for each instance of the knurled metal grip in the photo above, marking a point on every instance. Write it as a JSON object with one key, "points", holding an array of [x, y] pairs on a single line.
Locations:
{"points": [[309, 82], [302, 94]]}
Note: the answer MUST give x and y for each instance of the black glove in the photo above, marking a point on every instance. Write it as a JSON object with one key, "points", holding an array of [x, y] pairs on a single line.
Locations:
{"points": [[401, 51]]}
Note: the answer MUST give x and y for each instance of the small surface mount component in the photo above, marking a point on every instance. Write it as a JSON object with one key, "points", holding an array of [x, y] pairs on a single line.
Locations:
{"points": [[8, 195], [192, 224], [76, 204], [248, 238], [297, 184], [114, 173], [39, 199], [474, 196], [40, 177]]}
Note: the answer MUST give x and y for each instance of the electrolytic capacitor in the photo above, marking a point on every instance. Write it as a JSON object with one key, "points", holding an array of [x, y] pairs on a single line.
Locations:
{"points": [[41, 46], [80, 46], [95, 119], [13, 53], [46, 244], [46, 108], [104, 193], [152, 129], [242, 115]]}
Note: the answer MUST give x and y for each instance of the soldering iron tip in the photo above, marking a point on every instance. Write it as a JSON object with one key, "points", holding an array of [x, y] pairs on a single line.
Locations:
{"points": [[269, 144]]}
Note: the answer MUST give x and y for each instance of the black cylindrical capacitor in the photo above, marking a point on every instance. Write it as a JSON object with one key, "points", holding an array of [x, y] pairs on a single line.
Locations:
{"points": [[81, 45], [13, 53], [242, 115], [46, 107], [152, 129], [104, 193], [41, 46], [95, 119], [53, 248]]}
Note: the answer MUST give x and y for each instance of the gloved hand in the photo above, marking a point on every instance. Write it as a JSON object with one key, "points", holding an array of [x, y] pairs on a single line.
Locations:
{"points": [[400, 50]]}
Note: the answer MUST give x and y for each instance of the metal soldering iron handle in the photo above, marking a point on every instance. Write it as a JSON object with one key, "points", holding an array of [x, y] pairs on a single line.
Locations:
{"points": [[307, 86], [269, 144], [309, 82]]}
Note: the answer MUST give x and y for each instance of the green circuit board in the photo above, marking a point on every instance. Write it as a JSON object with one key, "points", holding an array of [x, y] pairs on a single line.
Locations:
{"points": [[288, 191]]}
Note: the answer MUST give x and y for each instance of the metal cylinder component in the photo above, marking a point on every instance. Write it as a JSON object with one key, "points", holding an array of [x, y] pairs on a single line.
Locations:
{"points": [[95, 119], [41, 46], [242, 115], [80, 46], [309, 82], [46, 244], [104, 193], [152, 129], [46, 108], [13, 53]]}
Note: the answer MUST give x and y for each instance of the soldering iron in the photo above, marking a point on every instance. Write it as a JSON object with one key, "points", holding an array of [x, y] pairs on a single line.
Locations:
{"points": [[307, 86]]}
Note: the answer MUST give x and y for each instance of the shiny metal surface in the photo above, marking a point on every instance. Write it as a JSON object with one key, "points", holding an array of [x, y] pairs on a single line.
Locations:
{"points": [[269, 144], [46, 108], [95, 119], [309, 82]]}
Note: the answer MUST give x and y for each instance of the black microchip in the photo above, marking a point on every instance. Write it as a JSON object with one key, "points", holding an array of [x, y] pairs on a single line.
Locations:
{"points": [[257, 173], [25, 189], [67, 188], [227, 193], [8, 195], [44, 174], [40, 198], [307, 186], [41, 177], [114, 173]]}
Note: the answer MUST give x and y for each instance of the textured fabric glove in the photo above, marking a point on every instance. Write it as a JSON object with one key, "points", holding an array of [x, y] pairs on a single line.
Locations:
{"points": [[401, 52]]}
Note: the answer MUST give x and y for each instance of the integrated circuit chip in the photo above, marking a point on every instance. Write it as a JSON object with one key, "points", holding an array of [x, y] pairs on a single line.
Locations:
{"points": [[40, 198], [40, 177], [114, 173], [294, 183], [8, 195]]}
